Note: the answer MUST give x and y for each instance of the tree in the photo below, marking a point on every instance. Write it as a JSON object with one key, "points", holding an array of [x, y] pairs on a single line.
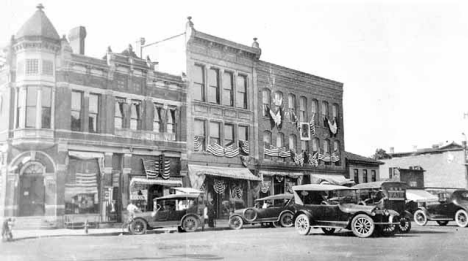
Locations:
{"points": [[381, 154]]}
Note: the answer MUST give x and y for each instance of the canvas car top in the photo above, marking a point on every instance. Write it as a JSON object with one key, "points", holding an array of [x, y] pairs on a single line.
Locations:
{"points": [[278, 196], [317, 187], [378, 184]]}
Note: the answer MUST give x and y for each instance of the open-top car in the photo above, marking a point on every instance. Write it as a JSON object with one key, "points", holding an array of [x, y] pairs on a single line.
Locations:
{"points": [[387, 195], [333, 207], [183, 210], [450, 206], [275, 210]]}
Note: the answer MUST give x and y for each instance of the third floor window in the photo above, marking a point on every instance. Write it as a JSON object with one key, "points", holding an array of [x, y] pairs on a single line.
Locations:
{"points": [[199, 83], [93, 114], [227, 89], [76, 112], [213, 83], [241, 97]]}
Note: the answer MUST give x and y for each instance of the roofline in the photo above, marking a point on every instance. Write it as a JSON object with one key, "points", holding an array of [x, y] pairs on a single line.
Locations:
{"points": [[229, 43]]}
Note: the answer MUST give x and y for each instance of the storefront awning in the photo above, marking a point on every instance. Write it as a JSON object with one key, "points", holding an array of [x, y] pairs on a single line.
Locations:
{"points": [[163, 182], [417, 195], [332, 179], [233, 173], [291, 174]]}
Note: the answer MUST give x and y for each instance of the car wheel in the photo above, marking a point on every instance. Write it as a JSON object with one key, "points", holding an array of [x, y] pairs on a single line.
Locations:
{"points": [[275, 224], [250, 214], [387, 230], [236, 222], [180, 229], [138, 227], [286, 220], [328, 230], [461, 217], [190, 224], [405, 224], [420, 217], [442, 222], [362, 225], [302, 224]]}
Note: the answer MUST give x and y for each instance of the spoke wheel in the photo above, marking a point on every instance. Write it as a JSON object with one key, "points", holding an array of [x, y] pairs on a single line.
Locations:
{"points": [[461, 217], [236, 222], [328, 230], [442, 222], [138, 227], [286, 220], [405, 224], [190, 224], [362, 226], [302, 224], [420, 217]]}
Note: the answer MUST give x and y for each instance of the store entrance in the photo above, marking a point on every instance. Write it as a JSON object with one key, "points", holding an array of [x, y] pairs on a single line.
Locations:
{"points": [[32, 195], [154, 191]]}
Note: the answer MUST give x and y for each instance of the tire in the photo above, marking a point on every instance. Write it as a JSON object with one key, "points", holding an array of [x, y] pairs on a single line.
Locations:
{"points": [[461, 217], [286, 220], [442, 222], [190, 223], [328, 230], [405, 224], [236, 222], [387, 230], [420, 217], [138, 227], [302, 224], [362, 226]]}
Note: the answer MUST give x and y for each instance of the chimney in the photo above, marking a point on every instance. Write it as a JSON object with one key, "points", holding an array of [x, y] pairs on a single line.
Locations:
{"points": [[392, 150], [77, 36]]}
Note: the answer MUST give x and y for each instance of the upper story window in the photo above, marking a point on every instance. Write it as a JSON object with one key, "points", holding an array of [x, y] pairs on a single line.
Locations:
{"points": [[29, 108], [32, 66], [266, 100], [315, 110], [356, 176], [291, 106], [157, 119], [266, 138], [326, 146], [46, 104], [336, 149], [213, 83], [364, 176], [302, 109], [119, 113], [241, 87], [228, 134], [135, 115], [304, 145], [93, 116], [335, 110], [214, 133], [47, 67], [278, 99], [243, 133], [324, 111], [228, 89], [199, 135], [76, 112], [280, 140], [199, 83], [315, 145], [171, 126], [374, 175]]}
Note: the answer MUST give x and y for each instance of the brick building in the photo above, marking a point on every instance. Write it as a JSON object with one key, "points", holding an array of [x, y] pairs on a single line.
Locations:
{"points": [[362, 169], [81, 136], [443, 165]]}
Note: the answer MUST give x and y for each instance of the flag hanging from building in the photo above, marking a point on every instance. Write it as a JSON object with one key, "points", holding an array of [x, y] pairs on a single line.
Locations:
{"points": [[151, 168], [166, 170], [197, 145], [219, 186], [85, 183], [215, 149], [271, 151], [283, 153], [312, 125], [335, 157], [230, 152], [244, 145]]}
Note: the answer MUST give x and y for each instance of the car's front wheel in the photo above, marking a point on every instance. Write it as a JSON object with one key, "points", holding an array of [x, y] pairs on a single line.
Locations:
{"points": [[461, 217], [190, 223], [442, 222], [405, 224], [302, 224], [328, 230], [362, 225], [420, 217], [236, 222], [138, 227], [286, 220]]}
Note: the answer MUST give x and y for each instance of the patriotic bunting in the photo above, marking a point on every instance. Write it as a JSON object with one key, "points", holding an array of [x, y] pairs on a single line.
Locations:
{"points": [[298, 158], [218, 150], [335, 157], [230, 152], [283, 153], [245, 160], [244, 145], [279, 178], [166, 171], [236, 192], [295, 120], [313, 160], [332, 126], [151, 168], [312, 125], [219, 186], [197, 145], [276, 118]]}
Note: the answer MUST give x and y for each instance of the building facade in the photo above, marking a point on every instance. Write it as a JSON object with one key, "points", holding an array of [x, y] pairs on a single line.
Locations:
{"points": [[362, 169], [82, 136]]}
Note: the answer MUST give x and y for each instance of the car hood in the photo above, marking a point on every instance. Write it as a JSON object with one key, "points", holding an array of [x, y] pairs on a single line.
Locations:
{"points": [[353, 208]]}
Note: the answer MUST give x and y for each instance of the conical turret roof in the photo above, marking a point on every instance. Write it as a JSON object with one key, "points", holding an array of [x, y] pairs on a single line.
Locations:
{"points": [[39, 26]]}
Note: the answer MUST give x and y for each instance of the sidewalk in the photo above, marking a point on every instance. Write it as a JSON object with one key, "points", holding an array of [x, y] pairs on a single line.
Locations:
{"points": [[221, 224]]}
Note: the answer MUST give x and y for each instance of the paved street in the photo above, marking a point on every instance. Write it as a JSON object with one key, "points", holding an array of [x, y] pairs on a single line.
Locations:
{"points": [[253, 243]]}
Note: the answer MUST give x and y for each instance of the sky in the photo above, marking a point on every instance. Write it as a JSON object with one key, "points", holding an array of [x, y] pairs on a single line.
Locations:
{"points": [[403, 63]]}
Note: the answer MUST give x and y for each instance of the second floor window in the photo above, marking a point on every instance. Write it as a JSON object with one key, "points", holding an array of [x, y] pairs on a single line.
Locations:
{"points": [[356, 176], [214, 133], [292, 142], [135, 115], [119, 113], [200, 134], [199, 83], [171, 121], [46, 104], [157, 119], [364, 176], [227, 89], [29, 109], [302, 109], [76, 114], [213, 90], [241, 98], [93, 116], [228, 134], [266, 99]]}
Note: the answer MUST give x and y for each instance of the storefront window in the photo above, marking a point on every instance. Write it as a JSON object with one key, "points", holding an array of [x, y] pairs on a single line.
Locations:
{"points": [[81, 187]]}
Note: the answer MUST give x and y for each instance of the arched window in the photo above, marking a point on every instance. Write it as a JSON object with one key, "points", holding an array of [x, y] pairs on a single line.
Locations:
{"points": [[278, 99], [266, 100], [291, 106], [266, 143], [326, 150], [315, 111], [304, 145], [335, 110], [302, 109], [280, 140], [292, 142], [324, 111], [336, 151]]}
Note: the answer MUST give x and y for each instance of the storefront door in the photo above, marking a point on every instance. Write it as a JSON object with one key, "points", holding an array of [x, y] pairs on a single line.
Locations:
{"points": [[32, 195]]}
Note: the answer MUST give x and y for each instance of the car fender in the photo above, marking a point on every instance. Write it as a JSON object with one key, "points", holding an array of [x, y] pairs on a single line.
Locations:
{"points": [[308, 214], [238, 215], [424, 210], [190, 214], [407, 213], [284, 211], [143, 219]]}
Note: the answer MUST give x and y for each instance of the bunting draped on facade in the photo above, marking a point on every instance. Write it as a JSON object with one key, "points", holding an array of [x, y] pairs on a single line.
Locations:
{"points": [[236, 191], [332, 126], [166, 170], [244, 146], [155, 168], [219, 186], [335, 156], [324, 157], [197, 145], [295, 120], [277, 152], [276, 119], [298, 158], [230, 152], [313, 159], [220, 151], [312, 125], [245, 160]]}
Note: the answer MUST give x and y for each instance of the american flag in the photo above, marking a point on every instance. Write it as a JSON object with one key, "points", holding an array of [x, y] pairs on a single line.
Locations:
{"points": [[165, 174], [151, 168], [335, 157], [272, 151], [283, 153], [299, 159], [312, 125], [197, 145], [326, 157], [215, 149], [230, 152], [85, 183], [244, 145], [313, 159]]}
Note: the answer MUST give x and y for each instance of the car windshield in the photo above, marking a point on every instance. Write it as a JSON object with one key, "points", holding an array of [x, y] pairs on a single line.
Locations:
{"points": [[330, 197], [175, 204]]}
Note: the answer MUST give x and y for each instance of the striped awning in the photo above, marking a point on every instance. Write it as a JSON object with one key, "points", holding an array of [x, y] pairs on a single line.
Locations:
{"points": [[227, 172]]}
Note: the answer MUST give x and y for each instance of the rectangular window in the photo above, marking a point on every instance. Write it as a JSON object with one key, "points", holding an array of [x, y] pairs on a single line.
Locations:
{"points": [[265, 101], [228, 134], [170, 121], [364, 176], [119, 113], [135, 115], [213, 83], [32, 66], [93, 116], [20, 113], [200, 134], [47, 68], [31, 107], [214, 133], [199, 83], [291, 106], [304, 145], [356, 176], [46, 100], [302, 109], [324, 111], [243, 133], [374, 175], [227, 89], [76, 105], [292, 142], [157, 119], [241, 98]]}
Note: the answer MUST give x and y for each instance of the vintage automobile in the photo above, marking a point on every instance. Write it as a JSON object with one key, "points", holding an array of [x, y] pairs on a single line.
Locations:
{"points": [[387, 195], [276, 210], [450, 206], [183, 210], [333, 207]]}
